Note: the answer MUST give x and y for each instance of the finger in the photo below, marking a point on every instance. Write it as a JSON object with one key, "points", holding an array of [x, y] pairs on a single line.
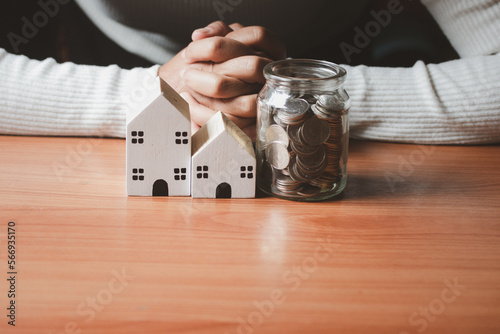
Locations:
{"points": [[242, 106], [248, 69], [194, 128], [236, 26], [215, 49], [260, 39], [216, 85], [251, 131], [201, 114], [217, 28]]}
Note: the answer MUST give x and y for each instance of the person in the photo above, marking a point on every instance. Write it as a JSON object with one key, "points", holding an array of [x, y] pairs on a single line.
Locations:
{"points": [[454, 102]]}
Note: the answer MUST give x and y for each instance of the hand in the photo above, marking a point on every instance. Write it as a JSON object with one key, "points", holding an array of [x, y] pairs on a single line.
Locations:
{"points": [[205, 114], [172, 71], [225, 73]]}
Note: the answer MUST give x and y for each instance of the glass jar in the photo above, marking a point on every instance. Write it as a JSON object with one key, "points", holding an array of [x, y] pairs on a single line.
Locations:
{"points": [[303, 130]]}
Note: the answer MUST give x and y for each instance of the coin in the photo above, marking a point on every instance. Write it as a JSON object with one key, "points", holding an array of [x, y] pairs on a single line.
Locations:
{"points": [[324, 113], [293, 132], [309, 191], [303, 144], [286, 184], [295, 173], [332, 102], [310, 98], [277, 155], [315, 131], [293, 111], [313, 162], [320, 112], [303, 150], [276, 133]]}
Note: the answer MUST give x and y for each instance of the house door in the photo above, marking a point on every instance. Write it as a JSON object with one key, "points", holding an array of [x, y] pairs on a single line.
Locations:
{"points": [[160, 188], [223, 191]]}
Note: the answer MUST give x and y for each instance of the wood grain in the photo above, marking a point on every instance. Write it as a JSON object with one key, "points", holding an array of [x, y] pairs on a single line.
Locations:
{"points": [[412, 222]]}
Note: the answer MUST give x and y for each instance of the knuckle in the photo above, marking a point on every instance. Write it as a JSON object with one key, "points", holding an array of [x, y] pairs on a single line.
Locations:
{"points": [[219, 26], [248, 106], [219, 86], [252, 64], [260, 33], [259, 63], [216, 45]]}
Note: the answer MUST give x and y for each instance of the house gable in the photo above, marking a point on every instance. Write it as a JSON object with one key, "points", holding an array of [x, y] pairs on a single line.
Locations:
{"points": [[238, 135], [161, 92], [215, 126]]}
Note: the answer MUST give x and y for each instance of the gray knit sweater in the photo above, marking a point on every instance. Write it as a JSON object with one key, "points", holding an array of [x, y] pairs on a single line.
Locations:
{"points": [[456, 102]]}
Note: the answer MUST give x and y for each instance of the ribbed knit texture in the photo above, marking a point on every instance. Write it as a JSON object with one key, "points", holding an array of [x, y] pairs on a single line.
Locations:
{"points": [[457, 102], [47, 98]]}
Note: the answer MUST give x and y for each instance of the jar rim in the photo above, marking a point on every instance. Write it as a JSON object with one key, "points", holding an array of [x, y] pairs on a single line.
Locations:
{"points": [[330, 71]]}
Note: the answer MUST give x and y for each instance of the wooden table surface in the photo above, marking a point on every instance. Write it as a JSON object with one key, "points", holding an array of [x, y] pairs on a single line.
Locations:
{"points": [[413, 246]]}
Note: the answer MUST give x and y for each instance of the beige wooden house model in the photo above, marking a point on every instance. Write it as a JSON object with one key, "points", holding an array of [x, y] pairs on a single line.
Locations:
{"points": [[159, 145], [164, 160], [223, 161]]}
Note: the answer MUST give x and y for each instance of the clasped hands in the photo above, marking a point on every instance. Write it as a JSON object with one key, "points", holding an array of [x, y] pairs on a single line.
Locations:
{"points": [[222, 69]]}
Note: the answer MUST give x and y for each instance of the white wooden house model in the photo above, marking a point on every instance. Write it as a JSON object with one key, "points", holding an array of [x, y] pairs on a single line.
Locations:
{"points": [[224, 161], [159, 145]]}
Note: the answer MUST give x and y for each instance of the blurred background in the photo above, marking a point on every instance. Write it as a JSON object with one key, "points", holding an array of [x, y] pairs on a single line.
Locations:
{"points": [[70, 36]]}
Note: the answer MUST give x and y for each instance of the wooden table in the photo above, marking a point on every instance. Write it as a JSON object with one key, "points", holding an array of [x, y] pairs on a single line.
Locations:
{"points": [[412, 247]]}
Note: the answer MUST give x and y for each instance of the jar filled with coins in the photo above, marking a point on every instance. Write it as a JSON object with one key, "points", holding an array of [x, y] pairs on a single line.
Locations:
{"points": [[303, 130]]}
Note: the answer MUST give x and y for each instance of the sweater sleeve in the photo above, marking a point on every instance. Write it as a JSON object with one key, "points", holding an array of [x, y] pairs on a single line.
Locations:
{"points": [[456, 102], [47, 98]]}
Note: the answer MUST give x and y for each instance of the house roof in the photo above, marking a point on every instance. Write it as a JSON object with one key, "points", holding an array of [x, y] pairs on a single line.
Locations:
{"points": [[161, 89], [175, 99], [216, 125]]}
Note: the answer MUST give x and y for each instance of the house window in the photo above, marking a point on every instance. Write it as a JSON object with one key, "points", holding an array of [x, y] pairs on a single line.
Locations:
{"points": [[137, 137], [138, 174], [181, 138], [180, 174], [246, 172], [202, 172]]}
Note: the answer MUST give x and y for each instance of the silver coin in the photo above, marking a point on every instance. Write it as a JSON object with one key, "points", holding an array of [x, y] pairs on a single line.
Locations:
{"points": [[286, 184], [332, 102], [293, 132], [285, 172], [315, 161], [309, 191], [293, 111], [310, 98], [315, 131], [320, 112], [277, 155], [276, 133]]}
